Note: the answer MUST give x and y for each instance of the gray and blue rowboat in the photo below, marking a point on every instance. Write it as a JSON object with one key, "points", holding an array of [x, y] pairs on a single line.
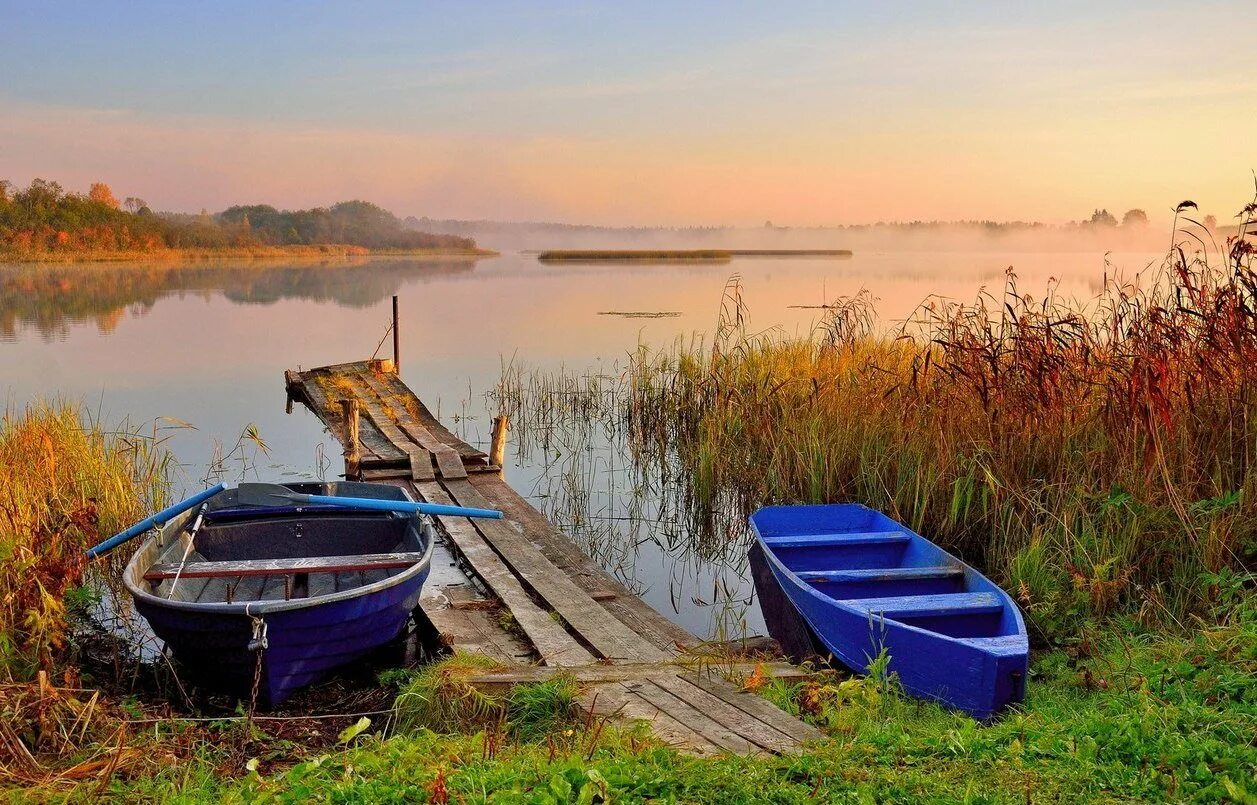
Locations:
{"points": [[280, 595]]}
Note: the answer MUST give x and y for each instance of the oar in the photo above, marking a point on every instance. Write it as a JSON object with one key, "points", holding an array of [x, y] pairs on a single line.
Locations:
{"points": [[161, 517], [271, 494]]}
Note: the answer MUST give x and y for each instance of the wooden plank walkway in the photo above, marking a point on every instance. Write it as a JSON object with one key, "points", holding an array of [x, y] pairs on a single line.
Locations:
{"points": [[546, 608]]}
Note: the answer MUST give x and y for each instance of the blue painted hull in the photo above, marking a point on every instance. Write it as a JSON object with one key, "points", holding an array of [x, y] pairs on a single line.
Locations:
{"points": [[309, 633], [869, 587], [304, 645]]}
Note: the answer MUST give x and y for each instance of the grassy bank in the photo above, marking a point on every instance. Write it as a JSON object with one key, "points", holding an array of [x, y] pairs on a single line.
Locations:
{"points": [[1131, 717]]}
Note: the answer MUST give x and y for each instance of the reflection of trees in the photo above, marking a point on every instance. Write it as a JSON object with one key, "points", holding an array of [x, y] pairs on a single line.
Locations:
{"points": [[48, 298]]}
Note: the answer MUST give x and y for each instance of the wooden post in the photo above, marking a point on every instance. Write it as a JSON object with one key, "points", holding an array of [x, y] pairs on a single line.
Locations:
{"points": [[290, 388], [497, 451], [397, 342], [349, 409]]}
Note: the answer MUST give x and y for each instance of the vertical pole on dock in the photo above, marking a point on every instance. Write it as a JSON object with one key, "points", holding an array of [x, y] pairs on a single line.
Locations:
{"points": [[349, 409], [397, 342], [497, 450]]}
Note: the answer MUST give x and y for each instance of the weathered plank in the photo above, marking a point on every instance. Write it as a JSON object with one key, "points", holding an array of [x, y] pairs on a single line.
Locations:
{"points": [[563, 553], [448, 460], [279, 567], [601, 586], [501, 681], [549, 638], [763, 735], [692, 717], [420, 460], [615, 700], [754, 706], [329, 411], [470, 630], [597, 627]]}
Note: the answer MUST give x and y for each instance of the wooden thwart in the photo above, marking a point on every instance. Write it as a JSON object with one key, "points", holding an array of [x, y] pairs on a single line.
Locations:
{"points": [[280, 567]]}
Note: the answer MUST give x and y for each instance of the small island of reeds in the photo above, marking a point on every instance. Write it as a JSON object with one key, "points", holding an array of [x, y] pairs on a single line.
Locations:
{"points": [[676, 255], [635, 256]]}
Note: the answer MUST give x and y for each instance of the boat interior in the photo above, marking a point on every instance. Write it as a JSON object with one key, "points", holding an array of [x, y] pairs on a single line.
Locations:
{"points": [[249, 553], [869, 562]]}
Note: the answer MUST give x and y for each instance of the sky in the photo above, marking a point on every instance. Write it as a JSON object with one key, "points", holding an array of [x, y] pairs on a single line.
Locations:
{"points": [[640, 113]]}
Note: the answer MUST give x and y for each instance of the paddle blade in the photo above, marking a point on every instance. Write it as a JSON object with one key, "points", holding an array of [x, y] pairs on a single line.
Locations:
{"points": [[255, 494]]}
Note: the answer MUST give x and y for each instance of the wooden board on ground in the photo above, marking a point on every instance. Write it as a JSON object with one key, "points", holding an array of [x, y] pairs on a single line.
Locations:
{"points": [[504, 680], [597, 627], [552, 641]]}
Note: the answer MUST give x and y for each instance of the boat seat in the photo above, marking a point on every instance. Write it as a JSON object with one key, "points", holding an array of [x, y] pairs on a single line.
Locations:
{"points": [[880, 574], [836, 540], [281, 567], [918, 606], [1011, 645], [877, 580]]}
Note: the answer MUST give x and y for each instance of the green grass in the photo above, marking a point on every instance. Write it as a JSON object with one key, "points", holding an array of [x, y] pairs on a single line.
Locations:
{"points": [[1123, 716]]}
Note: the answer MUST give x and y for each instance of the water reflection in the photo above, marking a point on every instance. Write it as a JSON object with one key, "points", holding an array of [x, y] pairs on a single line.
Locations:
{"points": [[621, 501], [49, 297], [206, 343]]}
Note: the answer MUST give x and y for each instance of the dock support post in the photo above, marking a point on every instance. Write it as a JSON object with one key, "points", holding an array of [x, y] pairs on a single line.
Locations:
{"points": [[497, 450], [349, 409], [397, 342]]}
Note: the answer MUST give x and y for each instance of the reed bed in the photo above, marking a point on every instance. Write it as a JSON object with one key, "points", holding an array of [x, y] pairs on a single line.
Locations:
{"points": [[65, 483], [634, 255], [1094, 456]]}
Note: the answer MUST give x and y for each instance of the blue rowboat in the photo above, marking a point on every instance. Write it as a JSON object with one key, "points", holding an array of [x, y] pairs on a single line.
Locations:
{"points": [[865, 584], [280, 596]]}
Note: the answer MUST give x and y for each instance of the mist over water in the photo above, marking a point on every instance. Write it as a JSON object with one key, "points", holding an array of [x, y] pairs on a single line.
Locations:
{"points": [[932, 237]]}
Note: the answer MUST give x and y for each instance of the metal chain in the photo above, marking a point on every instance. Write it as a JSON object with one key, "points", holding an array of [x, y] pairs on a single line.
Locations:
{"points": [[258, 643]]}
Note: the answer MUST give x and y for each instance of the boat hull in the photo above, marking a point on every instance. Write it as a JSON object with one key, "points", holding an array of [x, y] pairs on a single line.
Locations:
{"points": [[303, 645], [263, 640], [979, 681], [974, 660]]}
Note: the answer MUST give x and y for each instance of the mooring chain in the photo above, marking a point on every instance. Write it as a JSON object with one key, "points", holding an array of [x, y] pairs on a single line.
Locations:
{"points": [[258, 643]]}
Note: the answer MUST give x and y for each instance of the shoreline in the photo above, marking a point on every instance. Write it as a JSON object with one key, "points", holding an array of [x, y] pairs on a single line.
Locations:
{"points": [[237, 253]]}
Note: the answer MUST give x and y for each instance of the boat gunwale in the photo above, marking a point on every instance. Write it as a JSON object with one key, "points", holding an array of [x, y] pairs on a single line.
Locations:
{"points": [[132, 572], [808, 589]]}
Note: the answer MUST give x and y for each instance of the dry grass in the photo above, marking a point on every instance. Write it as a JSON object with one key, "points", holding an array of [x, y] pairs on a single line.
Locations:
{"points": [[1092, 456], [65, 483]]}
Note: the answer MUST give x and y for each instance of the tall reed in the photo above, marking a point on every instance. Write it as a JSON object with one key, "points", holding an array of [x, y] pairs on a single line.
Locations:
{"points": [[1092, 455], [65, 482]]}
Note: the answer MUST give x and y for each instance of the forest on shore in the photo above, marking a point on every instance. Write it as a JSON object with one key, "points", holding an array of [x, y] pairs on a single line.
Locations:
{"points": [[46, 222]]}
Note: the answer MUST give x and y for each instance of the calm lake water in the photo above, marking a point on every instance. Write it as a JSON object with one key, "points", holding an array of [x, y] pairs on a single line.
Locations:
{"points": [[198, 352]]}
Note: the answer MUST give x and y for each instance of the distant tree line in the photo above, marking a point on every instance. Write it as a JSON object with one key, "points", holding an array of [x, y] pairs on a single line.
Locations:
{"points": [[44, 218]]}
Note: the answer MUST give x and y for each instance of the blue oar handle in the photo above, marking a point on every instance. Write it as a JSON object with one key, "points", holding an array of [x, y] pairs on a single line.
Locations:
{"points": [[405, 506], [148, 522]]}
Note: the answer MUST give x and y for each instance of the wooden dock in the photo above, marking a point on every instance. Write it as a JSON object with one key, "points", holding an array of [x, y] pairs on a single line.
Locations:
{"points": [[530, 599]]}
